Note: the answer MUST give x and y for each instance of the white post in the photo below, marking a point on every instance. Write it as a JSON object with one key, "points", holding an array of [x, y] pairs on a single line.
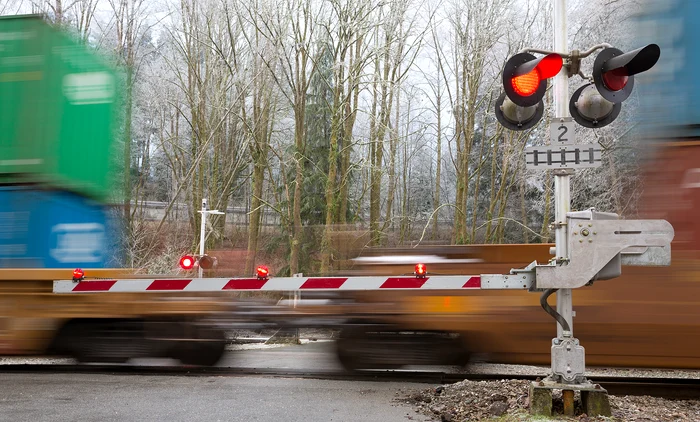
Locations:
{"points": [[561, 81], [202, 232], [561, 177]]}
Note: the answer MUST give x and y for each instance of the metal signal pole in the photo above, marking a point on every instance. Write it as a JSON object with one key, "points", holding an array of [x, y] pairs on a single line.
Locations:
{"points": [[202, 231], [562, 176]]}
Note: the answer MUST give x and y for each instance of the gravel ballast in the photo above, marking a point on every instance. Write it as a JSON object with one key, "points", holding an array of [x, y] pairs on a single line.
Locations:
{"points": [[507, 400]]}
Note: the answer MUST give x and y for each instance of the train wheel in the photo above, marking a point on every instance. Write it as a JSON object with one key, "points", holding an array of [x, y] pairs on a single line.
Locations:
{"points": [[377, 349], [457, 353], [206, 348], [104, 342], [201, 353], [359, 349]]}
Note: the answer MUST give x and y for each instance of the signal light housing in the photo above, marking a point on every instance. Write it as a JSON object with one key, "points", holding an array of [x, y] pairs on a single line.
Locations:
{"points": [[421, 271], [514, 117], [525, 77], [613, 77], [207, 262], [187, 262], [614, 70], [262, 272], [590, 109]]}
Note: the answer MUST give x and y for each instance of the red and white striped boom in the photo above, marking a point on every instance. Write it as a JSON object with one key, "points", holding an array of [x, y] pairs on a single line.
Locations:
{"points": [[269, 284]]}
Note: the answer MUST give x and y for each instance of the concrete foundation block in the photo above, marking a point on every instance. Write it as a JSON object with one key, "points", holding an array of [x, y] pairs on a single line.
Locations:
{"points": [[596, 403], [540, 400]]}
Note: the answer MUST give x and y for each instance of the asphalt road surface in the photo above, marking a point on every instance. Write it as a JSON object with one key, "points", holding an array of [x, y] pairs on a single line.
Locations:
{"points": [[120, 397], [79, 397]]}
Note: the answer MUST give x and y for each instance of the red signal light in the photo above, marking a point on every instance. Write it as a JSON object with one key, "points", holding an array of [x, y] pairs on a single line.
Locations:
{"points": [[616, 79], [262, 271], [421, 270], [187, 262], [78, 274], [207, 262], [525, 77], [614, 70], [526, 84], [520, 107]]}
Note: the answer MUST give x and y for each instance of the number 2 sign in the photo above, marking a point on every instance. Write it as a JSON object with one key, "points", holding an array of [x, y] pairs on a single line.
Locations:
{"points": [[561, 132]]}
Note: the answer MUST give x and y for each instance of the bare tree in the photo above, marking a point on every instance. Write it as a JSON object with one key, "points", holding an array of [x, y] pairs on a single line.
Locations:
{"points": [[292, 29], [85, 14], [395, 53], [129, 19], [246, 64], [477, 27], [10, 7], [349, 58]]}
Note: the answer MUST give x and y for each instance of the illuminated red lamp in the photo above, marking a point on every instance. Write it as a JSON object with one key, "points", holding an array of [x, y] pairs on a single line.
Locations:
{"points": [[187, 262], [527, 84], [520, 106], [525, 77], [78, 274], [262, 272], [421, 271]]}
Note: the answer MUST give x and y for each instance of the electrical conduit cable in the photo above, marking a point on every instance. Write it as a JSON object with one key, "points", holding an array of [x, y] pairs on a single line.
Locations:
{"points": [[556, 315]]}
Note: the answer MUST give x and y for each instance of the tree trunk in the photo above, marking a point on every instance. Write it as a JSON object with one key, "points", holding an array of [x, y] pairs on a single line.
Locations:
{"points": [[333, 154], [299, 158], [436, 196], [259, 167], [393, 144], [492, 190]]}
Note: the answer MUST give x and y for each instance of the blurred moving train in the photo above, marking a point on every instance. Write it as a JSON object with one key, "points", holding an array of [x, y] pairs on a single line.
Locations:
{"points": [[647, 317]]}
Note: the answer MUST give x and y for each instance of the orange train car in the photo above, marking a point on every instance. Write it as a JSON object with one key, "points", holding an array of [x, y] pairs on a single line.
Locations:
{"points": [[106, 328]]}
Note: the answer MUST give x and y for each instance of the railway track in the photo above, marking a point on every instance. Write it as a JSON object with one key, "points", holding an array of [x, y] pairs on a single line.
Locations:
{"points": [[669, 388]]}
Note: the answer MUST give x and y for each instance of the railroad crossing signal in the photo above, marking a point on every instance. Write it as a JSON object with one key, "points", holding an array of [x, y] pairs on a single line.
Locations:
{"points": [[205, 262], [598, 104], [594, 105], [525, 76]]}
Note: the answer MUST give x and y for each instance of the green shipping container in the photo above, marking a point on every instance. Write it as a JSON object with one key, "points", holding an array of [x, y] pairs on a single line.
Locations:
{"points": [[58, 103]]}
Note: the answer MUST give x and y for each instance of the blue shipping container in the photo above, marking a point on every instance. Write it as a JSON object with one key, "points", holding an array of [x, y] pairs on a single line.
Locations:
{"points": [[53, 229]]}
